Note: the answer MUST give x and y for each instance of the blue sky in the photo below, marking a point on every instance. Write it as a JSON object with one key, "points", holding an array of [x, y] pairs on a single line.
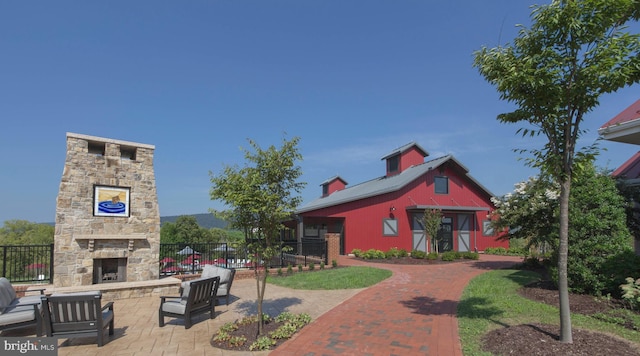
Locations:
{"points": [[352, 79]]}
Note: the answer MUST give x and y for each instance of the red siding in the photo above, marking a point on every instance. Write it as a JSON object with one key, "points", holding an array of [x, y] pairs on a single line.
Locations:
{"points": [[363, 218]]}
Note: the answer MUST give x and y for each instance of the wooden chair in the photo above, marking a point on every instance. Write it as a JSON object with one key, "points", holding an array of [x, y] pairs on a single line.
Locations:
{"points": [[77, 315], [198, 298]]}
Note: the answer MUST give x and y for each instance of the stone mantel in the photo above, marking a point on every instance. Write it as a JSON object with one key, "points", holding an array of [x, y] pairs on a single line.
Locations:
{"points": [[93, 237]]}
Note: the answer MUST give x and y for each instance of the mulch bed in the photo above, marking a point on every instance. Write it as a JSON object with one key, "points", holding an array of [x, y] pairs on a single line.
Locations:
{"points": [[542, 339]]}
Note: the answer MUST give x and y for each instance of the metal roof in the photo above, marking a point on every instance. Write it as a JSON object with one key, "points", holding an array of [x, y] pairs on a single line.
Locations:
{"points": [[404, 148], [383, 185]]}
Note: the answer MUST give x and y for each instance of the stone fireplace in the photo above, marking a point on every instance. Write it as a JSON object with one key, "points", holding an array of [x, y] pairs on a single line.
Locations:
{"points": [[107, 217]]}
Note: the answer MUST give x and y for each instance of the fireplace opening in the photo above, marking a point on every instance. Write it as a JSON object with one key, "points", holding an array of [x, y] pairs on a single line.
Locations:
{"points": [[109, 270]]}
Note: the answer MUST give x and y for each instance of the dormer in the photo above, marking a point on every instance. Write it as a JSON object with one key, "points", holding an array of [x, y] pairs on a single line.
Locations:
{"points": [[332, 185], [404, 157]]}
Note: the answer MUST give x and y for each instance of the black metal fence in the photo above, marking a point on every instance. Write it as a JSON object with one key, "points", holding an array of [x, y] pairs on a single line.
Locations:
{"points": [[191, 258], [34, 263], [27, 263]]}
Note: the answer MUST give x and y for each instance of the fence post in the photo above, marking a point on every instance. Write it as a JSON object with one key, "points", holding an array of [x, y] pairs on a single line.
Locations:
{"points": [[4, 261], [51, 264]]}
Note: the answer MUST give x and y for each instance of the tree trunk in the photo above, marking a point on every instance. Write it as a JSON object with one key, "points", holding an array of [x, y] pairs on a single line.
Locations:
{"points": [[259, 301], [563, 253]]}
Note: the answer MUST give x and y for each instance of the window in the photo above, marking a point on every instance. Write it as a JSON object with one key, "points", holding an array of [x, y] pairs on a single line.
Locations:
{"points": [[389, 227], [393, 164], [441, 185], [325, 190], [487, 230]]}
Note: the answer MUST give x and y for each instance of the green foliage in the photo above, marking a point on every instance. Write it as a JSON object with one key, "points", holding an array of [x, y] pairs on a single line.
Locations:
{"points": [[631, 292], [450, 256], [322, 265], [357, 252], [334, 278], [373, 254], [280, 273], [262, 343], [418, 254], [495, 251], [395, 252], [432, 256], [235, 341], [299, 267], [289, 268], [334, 263], [599, 241], [431, 220], [312, 266], [261, 195], [221, 336], [291, 324], [229, 327], [470, 255], [23, 232], [186, 230]]}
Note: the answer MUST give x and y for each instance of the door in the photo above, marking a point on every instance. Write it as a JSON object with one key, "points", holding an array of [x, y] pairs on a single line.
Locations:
{"points": [[445, 235], [419, 242], [464, 232]]}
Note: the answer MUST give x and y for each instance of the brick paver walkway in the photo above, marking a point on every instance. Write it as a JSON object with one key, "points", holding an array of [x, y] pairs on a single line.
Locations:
{"points": [[411, 313]]}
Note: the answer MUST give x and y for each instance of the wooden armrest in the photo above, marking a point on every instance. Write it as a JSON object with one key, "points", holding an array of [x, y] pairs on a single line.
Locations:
{"points": [[41, 290], [163, 297]]}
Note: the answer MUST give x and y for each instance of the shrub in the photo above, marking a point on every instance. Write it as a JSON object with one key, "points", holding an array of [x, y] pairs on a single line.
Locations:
{"points": [[450, 256], [263, 343], [495, 251], [432, 256], [322, 265], [312, 266], [395, 252], [279, 271], [334, 263], [299, 267], [470, 255], [631, 292], [418, 254], [357, 252], [289, 269], [373, 254]]}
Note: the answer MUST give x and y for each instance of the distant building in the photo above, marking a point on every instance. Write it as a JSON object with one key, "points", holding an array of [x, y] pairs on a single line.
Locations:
{"points": [[625, 128], [386, 212]]}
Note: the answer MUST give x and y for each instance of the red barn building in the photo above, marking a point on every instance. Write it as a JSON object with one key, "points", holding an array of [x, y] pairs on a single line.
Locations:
{"points": [[386, 212]]}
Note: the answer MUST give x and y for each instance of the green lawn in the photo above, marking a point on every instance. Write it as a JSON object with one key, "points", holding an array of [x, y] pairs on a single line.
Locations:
{"points": [[334, 278], [491, 301]]}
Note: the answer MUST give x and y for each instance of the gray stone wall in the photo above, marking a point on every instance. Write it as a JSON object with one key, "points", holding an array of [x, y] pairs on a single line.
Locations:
{"points": [[80, 236]]}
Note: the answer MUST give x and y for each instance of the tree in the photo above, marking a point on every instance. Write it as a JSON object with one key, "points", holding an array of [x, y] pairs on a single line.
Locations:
{"points": [[23, 232], [555, 73], [598, 235], [431, 220], [261, 196]]}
